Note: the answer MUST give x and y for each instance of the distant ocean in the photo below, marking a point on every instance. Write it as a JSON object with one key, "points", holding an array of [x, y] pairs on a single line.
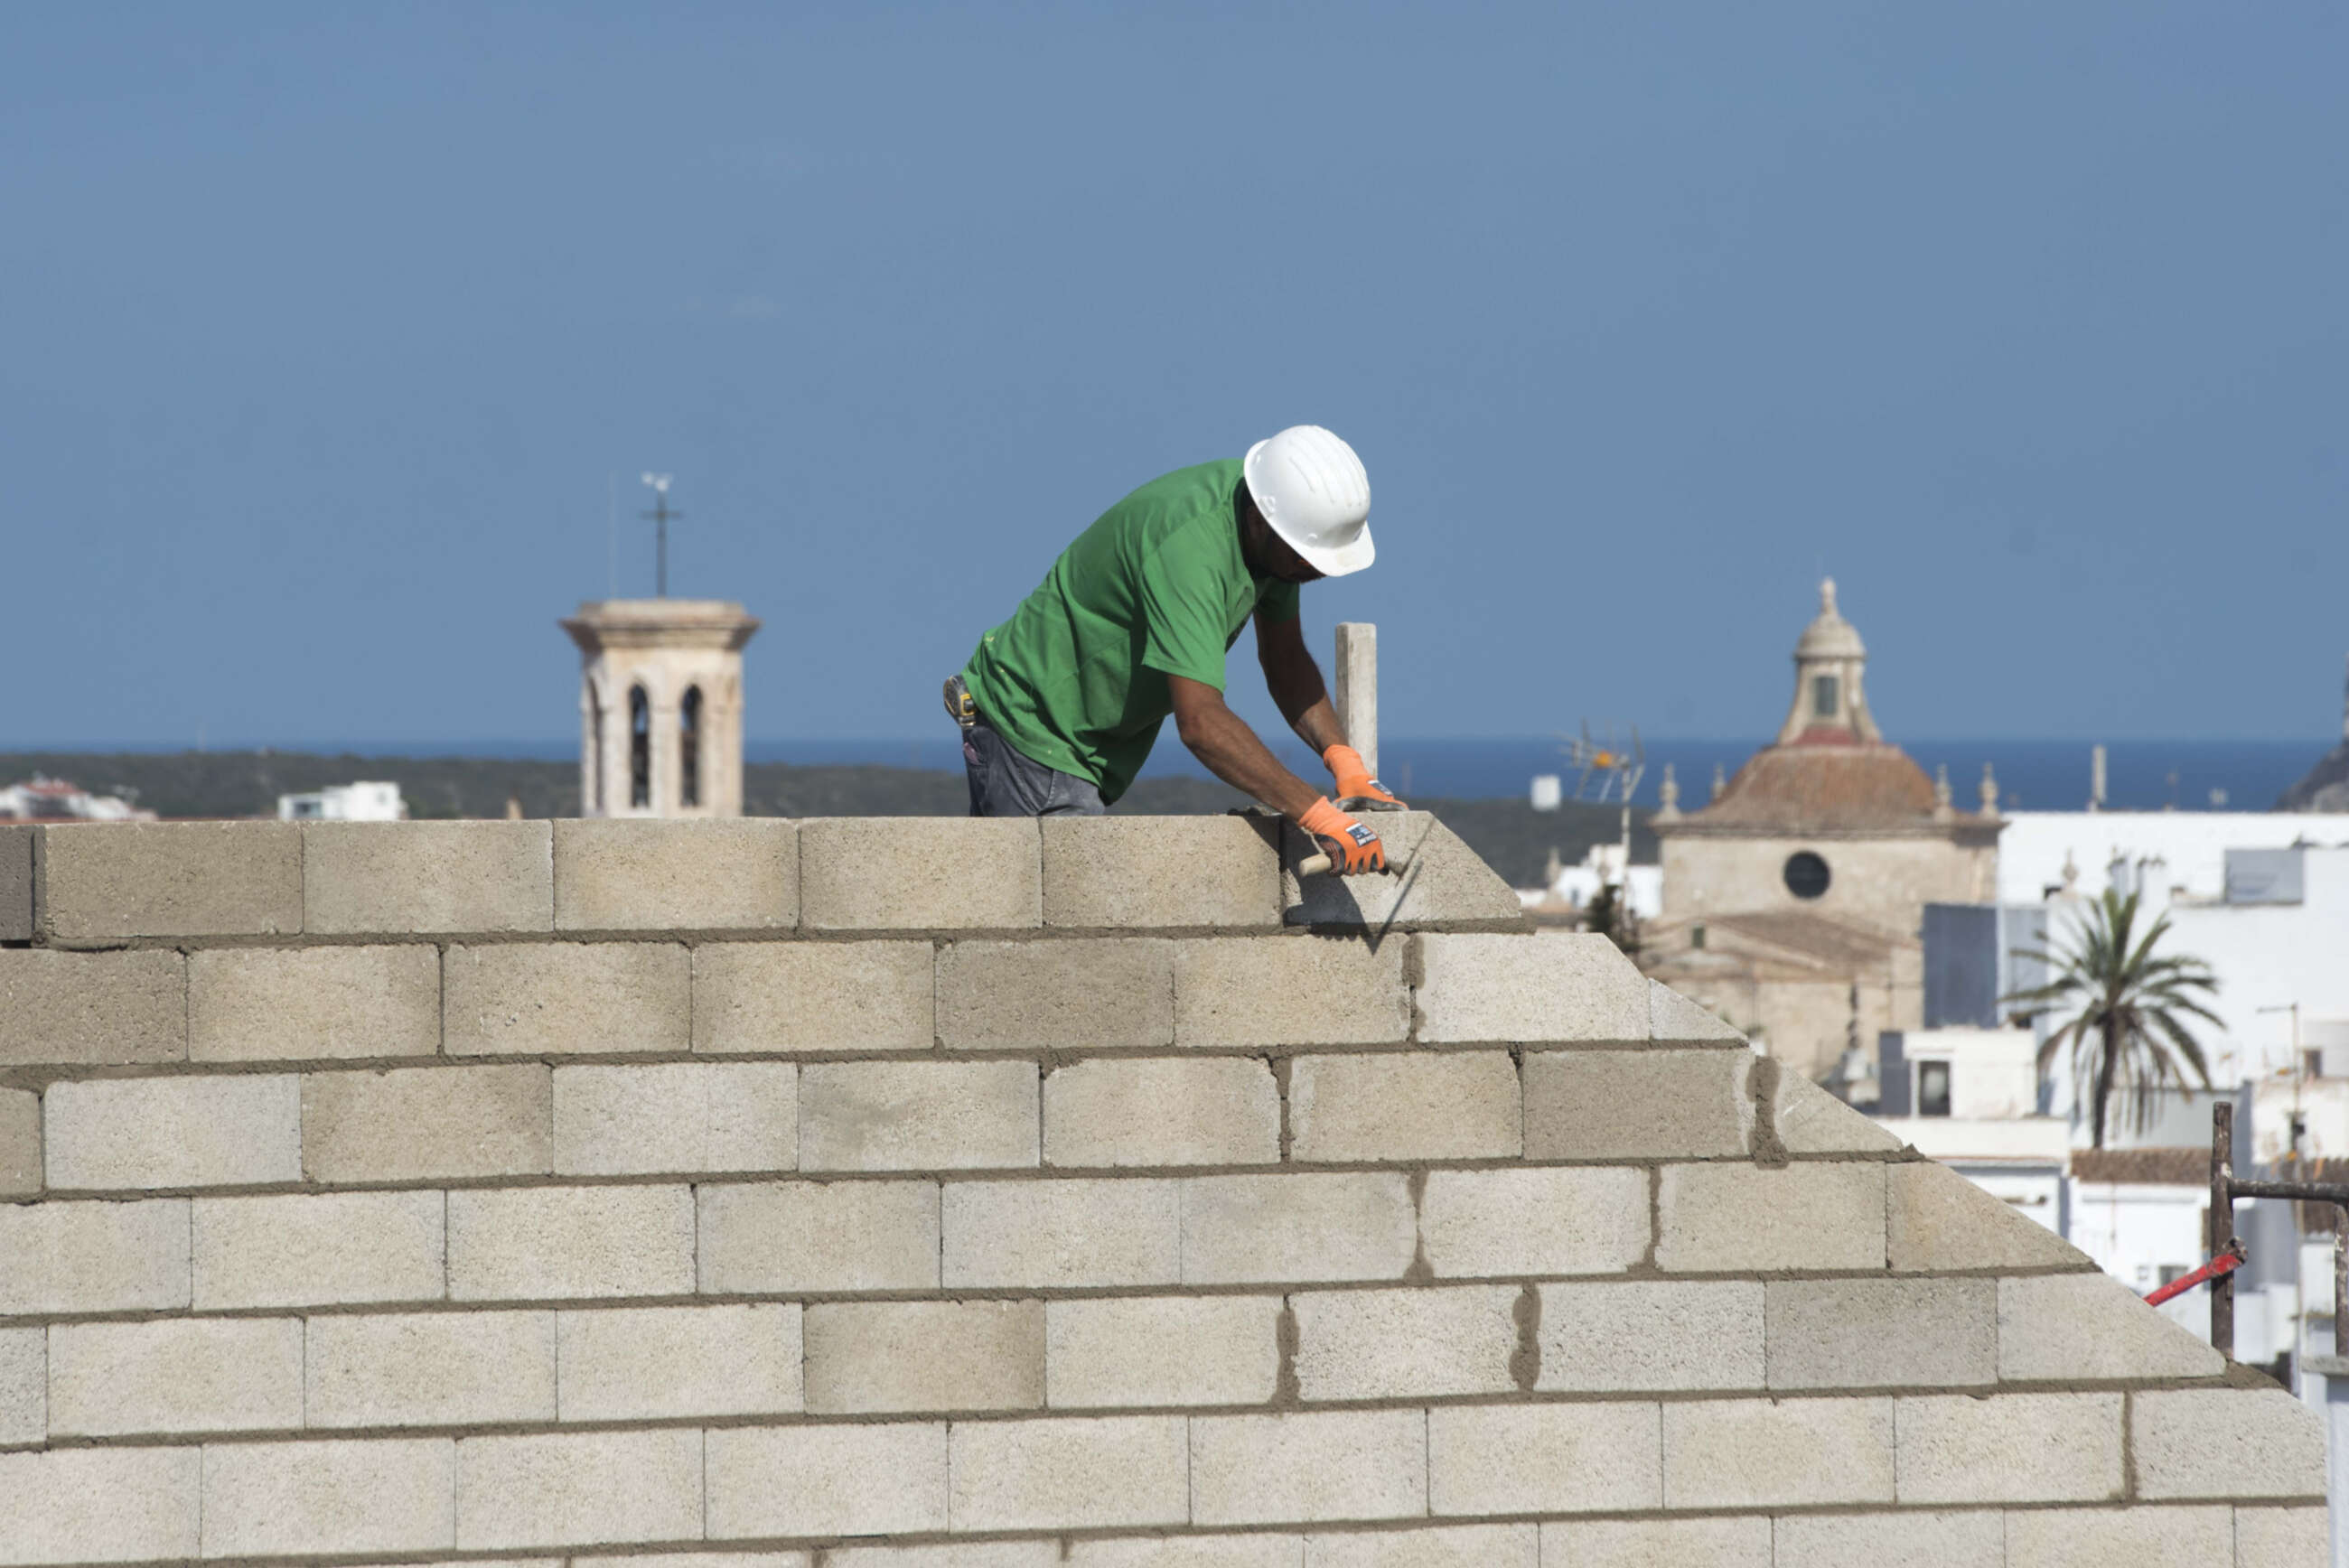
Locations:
{"points": [[2033, 774]]}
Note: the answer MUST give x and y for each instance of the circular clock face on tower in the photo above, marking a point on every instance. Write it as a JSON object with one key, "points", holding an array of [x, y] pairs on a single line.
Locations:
{"points": [[1806, 874]]}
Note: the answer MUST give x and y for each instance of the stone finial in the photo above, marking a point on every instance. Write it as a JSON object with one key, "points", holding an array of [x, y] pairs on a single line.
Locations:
{"points": [[1720, 781], [1989, 792], [2071, 876], [1827, 596], [1668, 797], [1942, 809]]}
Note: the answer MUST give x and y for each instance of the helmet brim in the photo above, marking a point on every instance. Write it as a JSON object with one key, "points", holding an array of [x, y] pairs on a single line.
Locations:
{"points": [[1330, 561]]}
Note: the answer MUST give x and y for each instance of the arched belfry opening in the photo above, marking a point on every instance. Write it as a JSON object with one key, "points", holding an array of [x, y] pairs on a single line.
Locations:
{"points": [[673, 746]]}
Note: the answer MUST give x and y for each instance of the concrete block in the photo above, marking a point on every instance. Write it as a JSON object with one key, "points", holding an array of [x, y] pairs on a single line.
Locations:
{"points": [[24, 1385], [579, 1489], [678, 1117], [886, 1356], [1130, 872], [1394, 1107], [20, 1143], [1252, 1551], [918, 1116], [1810, 1120], [1883, 1333], [1726, 1543], [545, 1242], [2226, 1443], [1560, 989], [1774, 1453], [319, 1250], [1936, 1220], [16, 883], [93, 1257], [810, 1236], [2015, 1448], [113, 880], [1735, 1218], [1652, 1336], [1911, 1540], [659, 1363], [304, 1004], [568, 998], [1405, 1343], [116, 1134], [432, 1369], [1090, 994], [1070, 1473], [1674, 1020], [2119, 1538], [960, 1554], [1159, 1110], [99, 1505], [1304, 1227], [1543, 1458], [1148, 1351], [1308, 1466], [1289, 991], [1061, 1233], [1455, 1546], [819, 1480], [208, 1375], [1637, 1105], [637, 874], [941, 873], [831, 996], [419, 878], [91, 1008], [687, 1559], [263, 1500], [1446, 883], [1573, 1220], [2282, 1538], [2075, 1326], [413, 1124]]}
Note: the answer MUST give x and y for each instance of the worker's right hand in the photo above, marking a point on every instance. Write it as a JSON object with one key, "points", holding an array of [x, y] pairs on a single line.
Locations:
{"points": [[1352, 848]]}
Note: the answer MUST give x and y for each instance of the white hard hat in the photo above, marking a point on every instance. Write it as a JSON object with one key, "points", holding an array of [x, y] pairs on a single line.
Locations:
{"points": [[1311, 488]]}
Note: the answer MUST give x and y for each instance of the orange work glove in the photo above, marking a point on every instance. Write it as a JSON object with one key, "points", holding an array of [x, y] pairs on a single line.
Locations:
{"points": [[1352, 847], [1353, 776]]}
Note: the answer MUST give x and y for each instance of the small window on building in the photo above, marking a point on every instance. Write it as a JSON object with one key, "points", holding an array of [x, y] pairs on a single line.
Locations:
{"points": [[1826, 692], [2172, 1272], [641, 749], [1696, 936], [689, 748], [1806, 874], [1932, 1089]]}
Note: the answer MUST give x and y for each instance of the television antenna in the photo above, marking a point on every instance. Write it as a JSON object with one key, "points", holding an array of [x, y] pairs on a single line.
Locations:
{"points": [[1614, 767], [660, 514]]}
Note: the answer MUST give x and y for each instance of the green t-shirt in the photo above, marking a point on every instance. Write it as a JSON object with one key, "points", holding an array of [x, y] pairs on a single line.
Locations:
{"points": [[1077, 679]]}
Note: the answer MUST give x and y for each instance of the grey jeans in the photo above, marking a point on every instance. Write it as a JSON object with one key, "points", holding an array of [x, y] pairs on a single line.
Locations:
{"points": [[1003, 783]]}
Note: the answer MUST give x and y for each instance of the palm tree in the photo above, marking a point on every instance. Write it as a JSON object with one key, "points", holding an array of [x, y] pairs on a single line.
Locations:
{"points": [[2110, 989]]}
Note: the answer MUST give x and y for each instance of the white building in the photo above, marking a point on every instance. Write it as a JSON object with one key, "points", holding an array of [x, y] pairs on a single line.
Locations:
{"points": [[2043, 852], [369, 801], [40, 800], [1571, 887]]}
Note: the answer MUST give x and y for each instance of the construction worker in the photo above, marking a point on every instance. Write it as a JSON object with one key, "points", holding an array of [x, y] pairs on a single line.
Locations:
{"points": [[1061, 703]]}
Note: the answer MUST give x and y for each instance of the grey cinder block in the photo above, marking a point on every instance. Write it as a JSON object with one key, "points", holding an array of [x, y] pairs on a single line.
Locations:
{"points": [[2062, 1537], [1636, 1104], [1141, 872], [430, 1368], [917, 1116], [1558, 1220], [101, 1505], [20, 1143], [117, 1134], [795, 1236], [928, 874], [1289, 991], [1773, 1454], [1735, 1218], [428, 1123], [1306, 1227], [579, 1489], [2069, 1327], [1354, 1344], [2226, 1442], [93, 1257], [297, 1004], [1304, 1467], [427, 878], [1070, 1473], [1088, 994], [2014, 1448], [1161, 1350], [1544, 1459], [321, 1249], [1653, 1335], [568, 998], [1937, 1219], [1883, 1333], [209, 1375], [831, 1469], [655, 1363], [1392, 1106], [864, 1357], [1161, 1111], [110, 882], [1446, 882], [538, 1243], [1065, 1232], [676, 1117], [342, 1495], [639, 874], [1555, 988], [832, 997], [16, 883], [92, 1008]]}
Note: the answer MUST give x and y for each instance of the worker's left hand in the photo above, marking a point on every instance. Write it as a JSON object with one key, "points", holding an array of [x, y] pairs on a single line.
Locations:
{"points": [[1353, 776], [1353, 847]]}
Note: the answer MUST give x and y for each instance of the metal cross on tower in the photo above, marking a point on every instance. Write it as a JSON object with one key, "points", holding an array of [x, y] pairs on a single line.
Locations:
{"points": [[661, 515]]}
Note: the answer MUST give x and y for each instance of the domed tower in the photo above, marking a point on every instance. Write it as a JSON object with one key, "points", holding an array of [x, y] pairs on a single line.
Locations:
{"points": [[1830, 666]]}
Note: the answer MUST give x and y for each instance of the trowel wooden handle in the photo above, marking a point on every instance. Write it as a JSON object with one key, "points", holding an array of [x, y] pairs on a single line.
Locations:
{"points": [[1315, 865]]}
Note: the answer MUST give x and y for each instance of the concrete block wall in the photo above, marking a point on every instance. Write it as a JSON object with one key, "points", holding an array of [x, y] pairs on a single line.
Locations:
{"points": [[821, 1195]]}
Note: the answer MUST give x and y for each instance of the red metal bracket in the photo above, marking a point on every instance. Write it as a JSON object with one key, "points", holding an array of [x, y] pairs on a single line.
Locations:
{"points": [[2225, 1263]]}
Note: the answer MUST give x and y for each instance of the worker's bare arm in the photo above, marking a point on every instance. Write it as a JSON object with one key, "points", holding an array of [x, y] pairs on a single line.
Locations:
{"points": [[1295, 682], [1233, 752]]}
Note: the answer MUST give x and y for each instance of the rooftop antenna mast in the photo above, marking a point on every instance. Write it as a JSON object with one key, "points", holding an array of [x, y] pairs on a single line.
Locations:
{"points": [[661, 515]]}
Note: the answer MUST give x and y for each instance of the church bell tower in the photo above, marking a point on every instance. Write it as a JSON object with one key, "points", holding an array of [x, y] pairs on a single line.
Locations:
{"points": [[660, 706]]}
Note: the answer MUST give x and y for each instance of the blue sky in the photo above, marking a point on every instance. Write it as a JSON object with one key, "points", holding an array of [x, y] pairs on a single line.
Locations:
{"points": [[325, 330]]}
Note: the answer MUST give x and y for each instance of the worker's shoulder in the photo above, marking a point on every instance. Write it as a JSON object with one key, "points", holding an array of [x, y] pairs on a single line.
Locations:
{"points": [[1178, 508]]}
